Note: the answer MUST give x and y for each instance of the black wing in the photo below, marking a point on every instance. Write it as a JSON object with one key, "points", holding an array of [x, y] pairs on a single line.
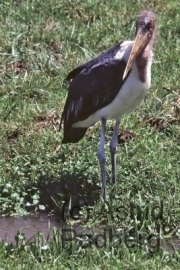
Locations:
{"points": [[99, 60], [94, 85]]}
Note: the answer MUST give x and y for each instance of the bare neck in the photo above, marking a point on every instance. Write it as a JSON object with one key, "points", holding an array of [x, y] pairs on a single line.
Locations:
{"points": [[142, 61]]}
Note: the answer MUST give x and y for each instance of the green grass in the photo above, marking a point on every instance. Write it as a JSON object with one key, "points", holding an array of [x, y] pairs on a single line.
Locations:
{"points": [[40, 42]]}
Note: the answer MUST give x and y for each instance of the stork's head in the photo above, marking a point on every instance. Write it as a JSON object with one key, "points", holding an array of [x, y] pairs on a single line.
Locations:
{"points": [[145, 28]]}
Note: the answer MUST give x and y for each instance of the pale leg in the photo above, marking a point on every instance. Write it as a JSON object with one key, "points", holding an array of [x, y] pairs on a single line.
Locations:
{"points": [[102, 158], [112, 146]]}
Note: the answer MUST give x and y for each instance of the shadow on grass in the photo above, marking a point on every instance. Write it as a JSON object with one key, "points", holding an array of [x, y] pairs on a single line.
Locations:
{"points": [[75, 189], [59, 196]]}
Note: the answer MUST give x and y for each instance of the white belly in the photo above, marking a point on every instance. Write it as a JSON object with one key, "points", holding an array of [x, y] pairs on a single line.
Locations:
{"points": [[129, 96]]}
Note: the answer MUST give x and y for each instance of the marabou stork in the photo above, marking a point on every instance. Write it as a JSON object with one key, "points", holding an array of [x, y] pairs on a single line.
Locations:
{"points": [[107, 87]]}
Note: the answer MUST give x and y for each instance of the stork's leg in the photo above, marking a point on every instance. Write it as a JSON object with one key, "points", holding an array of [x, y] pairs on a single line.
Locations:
{"points": [[112, 147], [102, 158]]}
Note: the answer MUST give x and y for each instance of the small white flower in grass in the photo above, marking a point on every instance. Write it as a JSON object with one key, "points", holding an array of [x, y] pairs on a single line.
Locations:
{"points": [[42, 207], [28, 204], [45, 247], [35, 201], [8, 185], [178, 232]]}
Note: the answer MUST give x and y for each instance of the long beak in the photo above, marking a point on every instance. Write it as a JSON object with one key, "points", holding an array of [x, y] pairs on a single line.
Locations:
{"points": [[140, 43]]}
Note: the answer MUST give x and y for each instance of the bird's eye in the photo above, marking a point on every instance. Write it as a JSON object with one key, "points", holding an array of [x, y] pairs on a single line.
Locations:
{"points": [[148, 25]]}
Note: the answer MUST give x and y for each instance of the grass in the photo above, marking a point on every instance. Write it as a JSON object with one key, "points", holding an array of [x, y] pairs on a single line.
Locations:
{"points": [[40, 42]]}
